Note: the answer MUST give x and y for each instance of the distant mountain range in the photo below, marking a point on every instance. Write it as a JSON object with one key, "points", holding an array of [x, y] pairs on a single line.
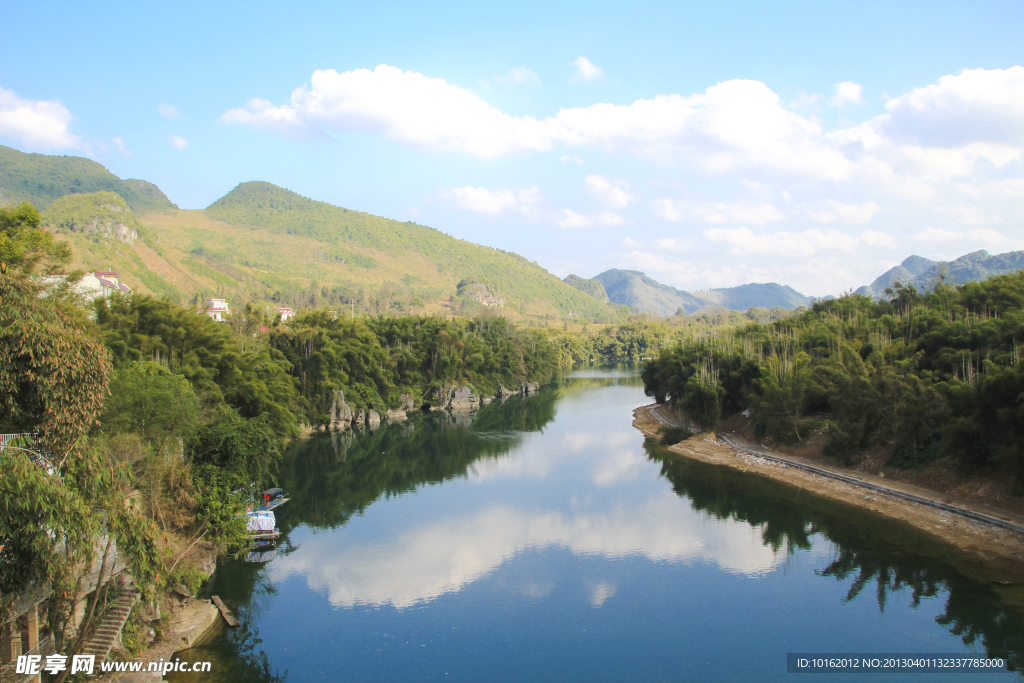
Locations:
{"points": [[637, 290], [923, 273], [263, 242]]}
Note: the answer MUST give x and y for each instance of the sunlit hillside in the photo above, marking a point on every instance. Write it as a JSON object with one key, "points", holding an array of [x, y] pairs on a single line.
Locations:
{"points": [[263, 243]]}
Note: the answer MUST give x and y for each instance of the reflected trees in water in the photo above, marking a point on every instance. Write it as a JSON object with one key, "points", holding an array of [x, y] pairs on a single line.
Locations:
{"points": [[868, 549]]}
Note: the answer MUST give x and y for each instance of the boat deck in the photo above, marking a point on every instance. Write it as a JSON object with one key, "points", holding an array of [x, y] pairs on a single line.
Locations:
{"points": [[271, 505]]}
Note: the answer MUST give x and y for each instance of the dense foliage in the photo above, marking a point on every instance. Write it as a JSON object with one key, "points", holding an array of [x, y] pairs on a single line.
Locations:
{"points": [[42, 178], [934, 375]]}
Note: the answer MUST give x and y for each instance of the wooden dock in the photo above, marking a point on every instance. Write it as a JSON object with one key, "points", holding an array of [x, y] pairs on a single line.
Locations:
{"points": [[224, 612]]}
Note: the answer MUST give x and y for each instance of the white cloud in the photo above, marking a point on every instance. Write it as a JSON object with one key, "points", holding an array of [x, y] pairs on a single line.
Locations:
{"points": [[834, 211], [783, 243], [178, 142], [587, 70], [521, 75], [969, 215], [671, 244], [121, 147], [493, 202], [403, 105], [608, 193], [1007, 187], [716, 212], [976, 105], [804, 100], [168, 111], [567, 159], [966, 128], [571, 219], [36, 124], [978, 238], [847, 93], [873, 238]]}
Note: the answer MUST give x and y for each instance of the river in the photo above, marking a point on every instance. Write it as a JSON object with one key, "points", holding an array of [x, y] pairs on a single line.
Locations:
{"points": [[544, 540]]}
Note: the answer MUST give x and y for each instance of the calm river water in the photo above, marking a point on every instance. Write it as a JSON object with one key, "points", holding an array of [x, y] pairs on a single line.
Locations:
{"points": [[543, 540]]}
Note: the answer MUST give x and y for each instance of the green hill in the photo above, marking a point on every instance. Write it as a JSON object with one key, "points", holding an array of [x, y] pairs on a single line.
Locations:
{"points": [[755, 294], [591, 287], [924, 273], [106, 234], [358, 250], [261, 242], [637, 290], [41, 179]]}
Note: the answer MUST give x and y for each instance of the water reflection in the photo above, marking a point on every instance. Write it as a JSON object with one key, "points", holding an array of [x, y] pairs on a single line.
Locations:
{"points": [[867, 550], [330, 478], [439, 556], [544, 521]]}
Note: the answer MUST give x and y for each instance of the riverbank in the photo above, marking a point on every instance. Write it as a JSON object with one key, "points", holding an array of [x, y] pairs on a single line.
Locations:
{"points": [[1001, 550]]}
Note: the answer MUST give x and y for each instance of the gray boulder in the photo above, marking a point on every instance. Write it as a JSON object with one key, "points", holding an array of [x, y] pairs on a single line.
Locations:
{"points": [[341, 413]]}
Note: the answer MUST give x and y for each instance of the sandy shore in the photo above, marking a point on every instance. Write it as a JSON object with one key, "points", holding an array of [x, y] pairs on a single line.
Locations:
{"points": [[1001, 550]]}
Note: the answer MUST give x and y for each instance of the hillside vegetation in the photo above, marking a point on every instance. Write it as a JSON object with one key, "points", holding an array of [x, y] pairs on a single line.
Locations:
{"points": [[104, 233], [354, 250], [592, 287], [42, 178], [923, 378]]}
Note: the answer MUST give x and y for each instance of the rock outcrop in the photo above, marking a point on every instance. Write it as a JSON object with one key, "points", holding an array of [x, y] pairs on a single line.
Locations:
{"points": [[454, 398], [341, 413], [400, 413], [372, 419], [524, 389]]}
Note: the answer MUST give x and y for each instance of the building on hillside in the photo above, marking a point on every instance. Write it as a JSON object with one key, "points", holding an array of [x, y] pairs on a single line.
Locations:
{"points": [[286, 313], [102, 284], [217, 309]]}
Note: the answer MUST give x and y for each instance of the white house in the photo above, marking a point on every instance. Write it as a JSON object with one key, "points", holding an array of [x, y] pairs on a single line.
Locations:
{"points": [[286, 313], [102, 285], [217, 309]]}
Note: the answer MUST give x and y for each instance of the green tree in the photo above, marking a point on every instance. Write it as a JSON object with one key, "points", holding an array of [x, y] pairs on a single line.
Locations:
{"points": [[153, 402], [24, 245]]}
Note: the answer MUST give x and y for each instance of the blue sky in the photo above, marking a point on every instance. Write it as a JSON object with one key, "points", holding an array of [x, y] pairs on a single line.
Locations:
{"points": [[708, 144]]}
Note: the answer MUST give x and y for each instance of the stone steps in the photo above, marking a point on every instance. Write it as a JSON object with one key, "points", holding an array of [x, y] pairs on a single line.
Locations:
{"points": [[109, 629]]}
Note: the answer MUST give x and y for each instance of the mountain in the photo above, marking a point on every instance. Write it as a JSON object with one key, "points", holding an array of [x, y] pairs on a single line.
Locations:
{"points": [[635, 289], [755, 295], [352, 250], [924, 273], [41, 179], [264, 243], [591, 287]]}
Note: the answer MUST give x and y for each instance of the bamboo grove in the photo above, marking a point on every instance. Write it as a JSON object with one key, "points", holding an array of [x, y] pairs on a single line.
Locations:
{"points": [[929, 376]]}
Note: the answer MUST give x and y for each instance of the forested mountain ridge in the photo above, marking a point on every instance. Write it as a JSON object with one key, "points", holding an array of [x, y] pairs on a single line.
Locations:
{"points": [[42, 178], [363, 249], [923, 273], [261, 242], [637, 290]]}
